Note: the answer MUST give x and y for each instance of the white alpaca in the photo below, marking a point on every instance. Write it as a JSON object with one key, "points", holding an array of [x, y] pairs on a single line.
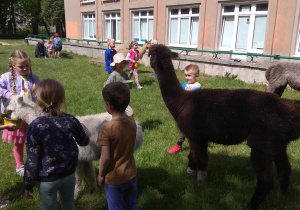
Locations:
{"points": [[19, 107]]}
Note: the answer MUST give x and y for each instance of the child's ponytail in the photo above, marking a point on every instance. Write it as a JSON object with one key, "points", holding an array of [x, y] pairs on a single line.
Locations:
{"points": [[13, 76]]}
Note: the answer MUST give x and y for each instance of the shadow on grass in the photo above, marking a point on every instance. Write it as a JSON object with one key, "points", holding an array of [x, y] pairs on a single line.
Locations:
{"points": [[65, 55], [143, 72], [230, 184], [15, 192], [147, 82], [151, 124]]}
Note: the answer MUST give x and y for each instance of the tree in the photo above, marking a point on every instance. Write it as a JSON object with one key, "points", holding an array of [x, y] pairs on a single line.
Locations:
{"points": [[33, 9], [53, 13]]}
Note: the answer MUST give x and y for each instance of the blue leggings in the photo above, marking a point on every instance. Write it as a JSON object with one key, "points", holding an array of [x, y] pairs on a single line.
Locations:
{"points": [[124, 195], [64, 186]]}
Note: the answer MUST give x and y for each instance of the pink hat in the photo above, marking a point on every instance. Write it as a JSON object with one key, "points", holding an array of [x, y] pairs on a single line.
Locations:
{"points": [[56, 35]]}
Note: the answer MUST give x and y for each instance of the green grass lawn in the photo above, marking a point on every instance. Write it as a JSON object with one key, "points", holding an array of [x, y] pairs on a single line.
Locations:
{"points": [[162, 179]]}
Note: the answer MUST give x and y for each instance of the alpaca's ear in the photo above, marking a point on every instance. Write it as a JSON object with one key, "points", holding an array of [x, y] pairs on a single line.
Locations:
{"points": [[19, 101]]}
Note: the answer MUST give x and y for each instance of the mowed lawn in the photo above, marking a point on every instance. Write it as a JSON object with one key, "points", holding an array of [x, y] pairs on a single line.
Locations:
{"points": [[162, 179]]}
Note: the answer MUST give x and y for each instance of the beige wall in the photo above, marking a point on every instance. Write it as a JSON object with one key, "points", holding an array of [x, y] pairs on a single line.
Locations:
{"points": [[281, 33]]}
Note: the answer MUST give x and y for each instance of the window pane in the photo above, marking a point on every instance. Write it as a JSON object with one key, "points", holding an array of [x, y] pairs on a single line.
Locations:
{"points": [[262, 7], [150, 30], [245, 8], [91, 32], [229, 8], [113, 14], [118, 14], [136, 30], [107, 15], [136, 14], [144, 13], [173, 31], [242, 33], [174, 12], [86, 29], [227, 31], [195, 10], [259, 33], [113, 29], [151, 13], [90, 16], [94, 24], [194, 30], [107, 27], [118, 30], [184, 27], [144, 29], [185, 11]]}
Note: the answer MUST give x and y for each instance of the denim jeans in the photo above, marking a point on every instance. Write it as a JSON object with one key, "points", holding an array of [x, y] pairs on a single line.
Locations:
{"points": [[64, 186], [124, 195]]}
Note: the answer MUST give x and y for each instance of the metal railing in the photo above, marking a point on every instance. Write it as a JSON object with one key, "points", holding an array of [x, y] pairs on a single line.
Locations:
{"points": [[215, 53]]}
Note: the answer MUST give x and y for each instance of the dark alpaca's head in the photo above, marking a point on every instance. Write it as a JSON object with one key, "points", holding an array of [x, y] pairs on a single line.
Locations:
{"points": [[161, 56]]}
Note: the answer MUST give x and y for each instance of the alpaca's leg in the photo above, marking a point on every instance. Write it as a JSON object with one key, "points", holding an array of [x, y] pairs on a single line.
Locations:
{"points": [[89, 175], [262, 164], [279, 91], [274, 88], [198, 160], [79, 176], [283, 169]]}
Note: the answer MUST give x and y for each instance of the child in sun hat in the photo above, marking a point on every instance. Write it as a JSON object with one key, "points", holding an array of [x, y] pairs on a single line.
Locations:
{"points": [[118, 75]]}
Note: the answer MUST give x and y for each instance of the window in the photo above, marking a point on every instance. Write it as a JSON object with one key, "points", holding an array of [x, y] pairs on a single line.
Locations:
{"points": [[142, 25], [244, 27], [112, 26], [89, 26], [183, 27]]}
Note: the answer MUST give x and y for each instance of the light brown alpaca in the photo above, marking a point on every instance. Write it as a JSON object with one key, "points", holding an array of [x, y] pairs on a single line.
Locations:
{"points": [[124, 48]]}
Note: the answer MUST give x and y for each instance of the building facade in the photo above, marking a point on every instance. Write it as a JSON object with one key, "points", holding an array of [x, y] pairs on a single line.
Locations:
{"points": [[268, 27]]}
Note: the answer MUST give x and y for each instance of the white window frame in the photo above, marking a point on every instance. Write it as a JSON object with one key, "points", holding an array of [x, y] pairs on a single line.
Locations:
{"points": [[87, 1], [297, 50], [94, 30], [179, 16], [140, 17], [110, 18], [236, 14]]}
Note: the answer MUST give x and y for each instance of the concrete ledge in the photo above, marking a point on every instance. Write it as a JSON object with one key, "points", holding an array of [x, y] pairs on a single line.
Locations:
{"points": [[245, 71]]}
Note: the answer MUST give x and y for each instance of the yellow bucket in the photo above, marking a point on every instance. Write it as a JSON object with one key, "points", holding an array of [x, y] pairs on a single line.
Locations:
{"points": [[18, 123]]}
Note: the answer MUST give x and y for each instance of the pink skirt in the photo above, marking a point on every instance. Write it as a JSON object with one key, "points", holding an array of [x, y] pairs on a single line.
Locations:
{"points": [[18, 136]]}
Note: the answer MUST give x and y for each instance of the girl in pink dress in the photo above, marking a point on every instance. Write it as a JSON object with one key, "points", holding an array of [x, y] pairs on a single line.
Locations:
{"points": [[135, 61], [20, 81]]}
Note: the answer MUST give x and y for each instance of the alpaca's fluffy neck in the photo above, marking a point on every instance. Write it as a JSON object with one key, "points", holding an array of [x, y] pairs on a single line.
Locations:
{"points": [[142, 50], [171, 90], [28, 113]]}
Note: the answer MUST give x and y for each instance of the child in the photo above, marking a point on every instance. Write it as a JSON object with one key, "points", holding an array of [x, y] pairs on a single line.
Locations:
{"points": [[109, 54], [20, 81], [134, 56], [117, 168], [40, 49], [52, 152], [57, 45], [50, 48], [191, 75], [118, 75]]}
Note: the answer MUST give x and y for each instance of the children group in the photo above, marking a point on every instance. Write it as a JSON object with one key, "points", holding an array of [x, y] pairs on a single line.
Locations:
{"points": [[51, 139], [51, 50]]}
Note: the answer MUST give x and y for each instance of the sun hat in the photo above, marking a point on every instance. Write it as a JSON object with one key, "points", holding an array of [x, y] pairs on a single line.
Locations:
{"points": [[119, 58], [56, 35]]}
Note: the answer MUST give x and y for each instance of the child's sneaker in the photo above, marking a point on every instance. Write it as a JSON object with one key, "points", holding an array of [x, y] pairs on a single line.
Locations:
{"points": [[20, 171], [175, 149], [140, 87]]}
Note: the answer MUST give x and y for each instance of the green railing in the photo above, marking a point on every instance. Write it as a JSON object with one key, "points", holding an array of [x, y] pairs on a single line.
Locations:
{"points": [[215, 54]]}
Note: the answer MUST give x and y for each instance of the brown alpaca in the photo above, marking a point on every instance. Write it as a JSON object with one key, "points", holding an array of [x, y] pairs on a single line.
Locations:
{"points": [[229, 117], [124, 48], [281, 75]]}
